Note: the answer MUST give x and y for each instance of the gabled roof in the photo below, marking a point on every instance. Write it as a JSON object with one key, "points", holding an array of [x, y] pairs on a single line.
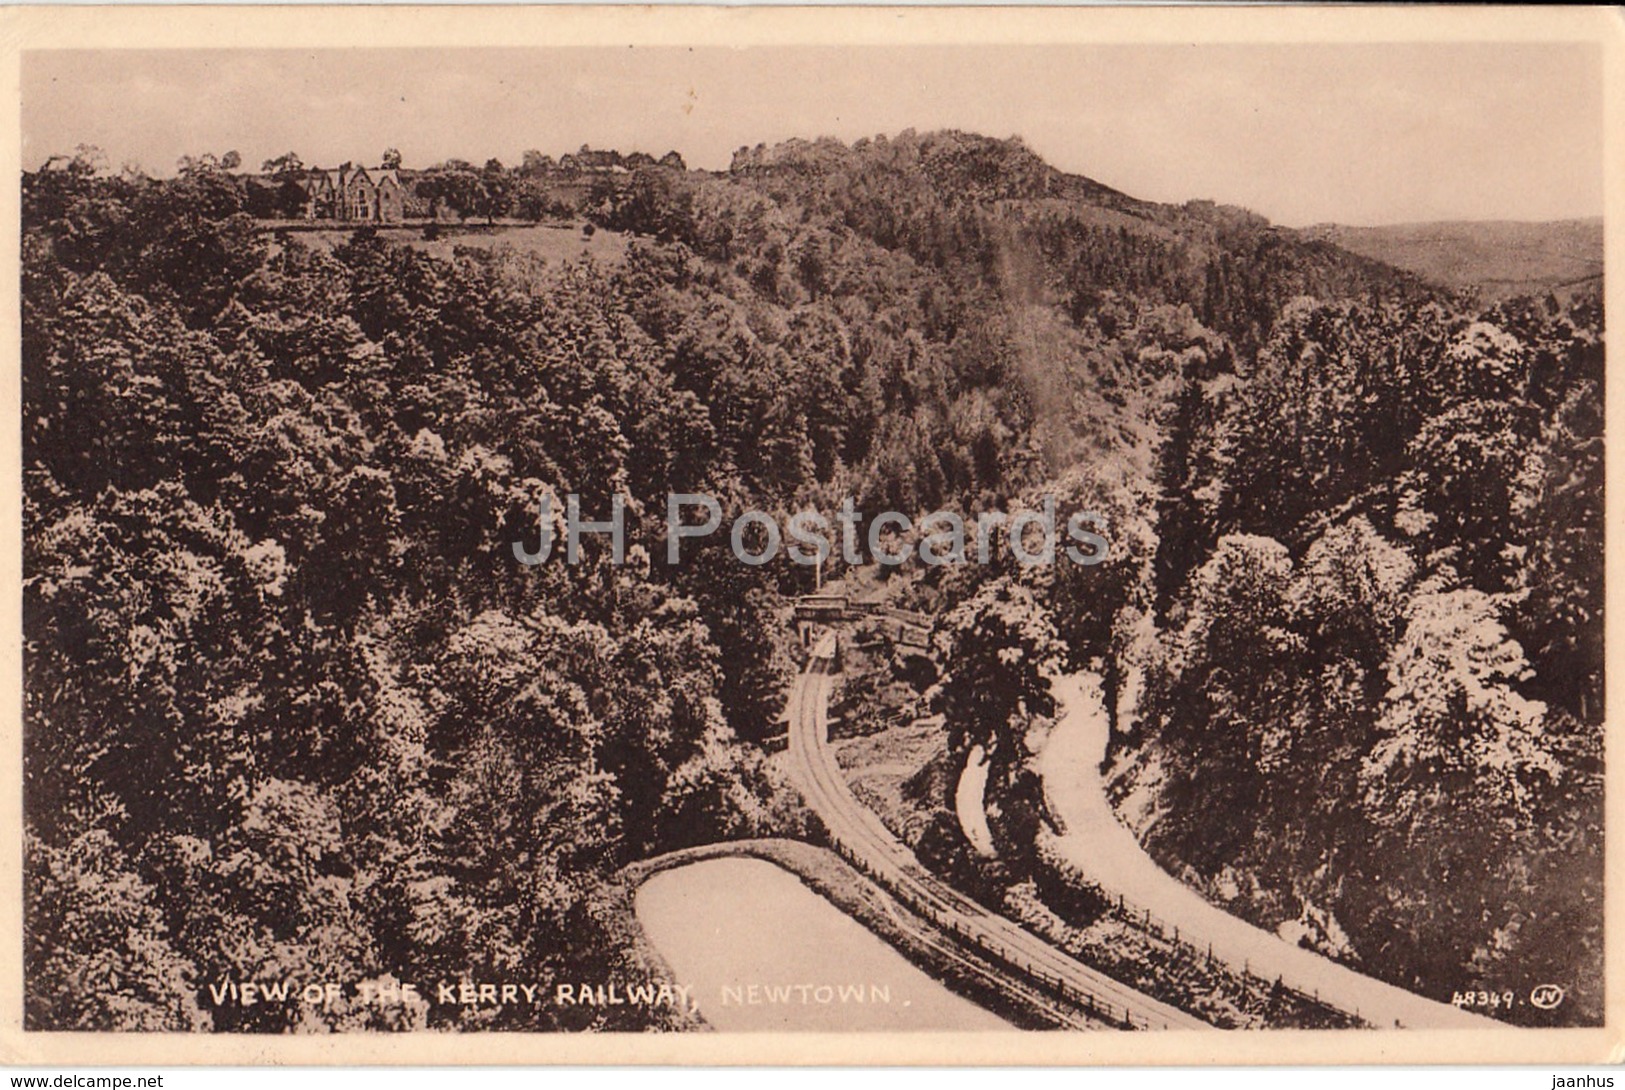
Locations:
{"points": [[337, 179], [374, 176]]}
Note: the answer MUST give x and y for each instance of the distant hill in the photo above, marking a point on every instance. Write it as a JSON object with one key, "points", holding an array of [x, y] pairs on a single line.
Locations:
{"points": [[1501, 258], [970, 206]]}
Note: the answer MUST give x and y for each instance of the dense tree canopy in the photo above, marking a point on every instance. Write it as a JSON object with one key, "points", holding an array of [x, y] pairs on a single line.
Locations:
{"points": [[294, 711]]}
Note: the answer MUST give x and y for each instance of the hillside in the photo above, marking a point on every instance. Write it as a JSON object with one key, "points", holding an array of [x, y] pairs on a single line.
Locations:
{"points": [[1500, 258], [296, 708], [994, 210]]}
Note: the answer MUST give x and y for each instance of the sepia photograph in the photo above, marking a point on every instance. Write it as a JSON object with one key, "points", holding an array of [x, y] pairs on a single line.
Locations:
{"points": [[1025, 535]]}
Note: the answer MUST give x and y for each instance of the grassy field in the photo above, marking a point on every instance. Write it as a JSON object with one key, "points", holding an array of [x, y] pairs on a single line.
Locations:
{"points": [[556, 243], [880, 769]]}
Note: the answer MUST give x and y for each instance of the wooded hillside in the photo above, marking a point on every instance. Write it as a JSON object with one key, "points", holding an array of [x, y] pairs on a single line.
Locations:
{"points": [[294, 711]]}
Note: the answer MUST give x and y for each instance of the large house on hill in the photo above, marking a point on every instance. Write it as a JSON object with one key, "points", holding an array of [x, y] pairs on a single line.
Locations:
{"points": [[353, 193]]}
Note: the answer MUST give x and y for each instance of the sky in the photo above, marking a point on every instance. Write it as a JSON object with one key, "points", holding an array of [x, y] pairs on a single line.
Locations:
{"points": [[1354, 134]]}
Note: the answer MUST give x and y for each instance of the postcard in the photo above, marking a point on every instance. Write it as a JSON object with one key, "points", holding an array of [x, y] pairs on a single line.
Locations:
{"points": [[707, 535]]}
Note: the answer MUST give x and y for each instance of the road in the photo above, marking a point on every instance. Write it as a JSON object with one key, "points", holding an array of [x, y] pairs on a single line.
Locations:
{"points": [[858, 834], [1108, 853]]}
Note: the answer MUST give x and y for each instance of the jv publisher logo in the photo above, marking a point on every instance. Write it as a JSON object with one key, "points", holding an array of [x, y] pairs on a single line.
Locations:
{"points": [[1546, 997]]}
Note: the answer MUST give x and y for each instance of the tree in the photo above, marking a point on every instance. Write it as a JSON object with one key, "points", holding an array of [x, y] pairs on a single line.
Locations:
{"points": [[1471, 470], [1349, 596], [1094, 605], [741, 611], [192, 166], [285, 167], [288, 171], [1186, 456], [1457, 790], [1347, 600], [494, 194], [533, 201], [97, 954], [391, 159], [1221, 707], [650, 202], [468, 192], [998, 648], [86, 161], [1453, 723], [534, 163]]}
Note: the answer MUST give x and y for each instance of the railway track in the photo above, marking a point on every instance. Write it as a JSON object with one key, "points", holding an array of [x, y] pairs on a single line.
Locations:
{"points": [[1084, 996]]}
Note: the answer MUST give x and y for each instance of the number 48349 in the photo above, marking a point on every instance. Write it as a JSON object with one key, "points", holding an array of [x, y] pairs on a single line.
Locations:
{"points": [[1485, 1000]]}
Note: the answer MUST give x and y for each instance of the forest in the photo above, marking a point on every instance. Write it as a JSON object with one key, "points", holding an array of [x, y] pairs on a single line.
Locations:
{"points": [[293, 711]]}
